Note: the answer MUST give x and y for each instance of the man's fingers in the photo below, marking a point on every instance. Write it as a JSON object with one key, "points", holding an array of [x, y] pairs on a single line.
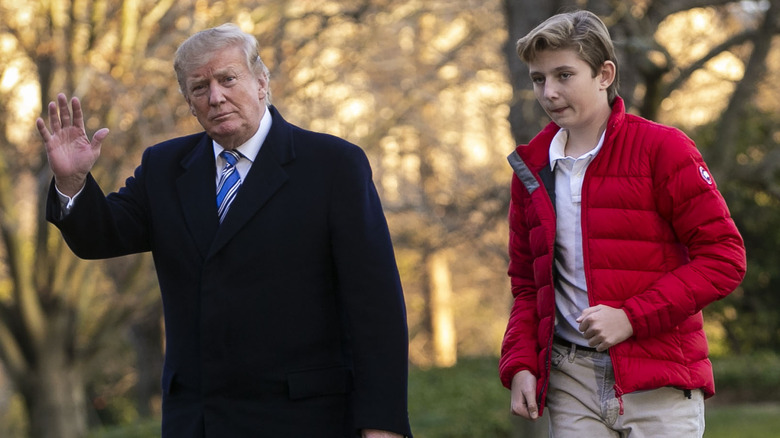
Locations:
{"points": [[65, 120], [41, 125], [54, 117], [99, 136], [78, 115]]}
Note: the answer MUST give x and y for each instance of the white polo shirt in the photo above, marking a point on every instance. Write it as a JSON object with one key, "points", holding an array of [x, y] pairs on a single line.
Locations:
{"points": [[571, 290]]}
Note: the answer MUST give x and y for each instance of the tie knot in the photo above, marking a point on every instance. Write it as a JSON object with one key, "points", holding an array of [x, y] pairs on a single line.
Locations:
{"points": [[231, 157]]}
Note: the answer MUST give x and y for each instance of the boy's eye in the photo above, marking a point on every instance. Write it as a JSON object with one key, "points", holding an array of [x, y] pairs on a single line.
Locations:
{"points": [[537, 80], [565, 75]]}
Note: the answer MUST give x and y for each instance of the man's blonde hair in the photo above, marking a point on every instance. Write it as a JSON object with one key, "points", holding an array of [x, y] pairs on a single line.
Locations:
{"points": [[198, 49], [581, 31]]}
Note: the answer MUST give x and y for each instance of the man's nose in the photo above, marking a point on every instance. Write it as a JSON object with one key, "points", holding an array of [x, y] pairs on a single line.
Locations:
{"points": [[216, 94]]}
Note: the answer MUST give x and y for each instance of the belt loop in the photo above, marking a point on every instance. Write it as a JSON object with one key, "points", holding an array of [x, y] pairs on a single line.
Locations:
{"points": [[572, 351]]}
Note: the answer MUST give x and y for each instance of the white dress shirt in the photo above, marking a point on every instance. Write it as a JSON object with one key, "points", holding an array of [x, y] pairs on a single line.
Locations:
{"points": [[248, 150]]}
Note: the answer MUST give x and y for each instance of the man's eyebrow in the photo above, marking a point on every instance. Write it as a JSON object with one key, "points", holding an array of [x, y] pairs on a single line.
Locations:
{"points": [[228, 69]]}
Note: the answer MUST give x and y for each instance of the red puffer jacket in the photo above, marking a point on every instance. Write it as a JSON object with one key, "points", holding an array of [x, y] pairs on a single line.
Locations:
{"points": [[658, 242]]}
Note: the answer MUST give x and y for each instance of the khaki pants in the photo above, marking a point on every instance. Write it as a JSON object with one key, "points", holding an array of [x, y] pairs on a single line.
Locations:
{"points": [[581, 402]]}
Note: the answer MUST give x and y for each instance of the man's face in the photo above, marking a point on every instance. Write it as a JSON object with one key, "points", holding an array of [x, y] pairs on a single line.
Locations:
{"points": [[226, 97]]}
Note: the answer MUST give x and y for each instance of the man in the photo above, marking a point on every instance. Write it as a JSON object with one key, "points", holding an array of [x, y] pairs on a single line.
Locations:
{"points": [[618, 239], [283, 306]]}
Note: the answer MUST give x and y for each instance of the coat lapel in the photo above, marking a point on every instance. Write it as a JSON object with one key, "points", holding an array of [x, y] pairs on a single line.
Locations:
{"points": [[197, 194], [265, 178]]}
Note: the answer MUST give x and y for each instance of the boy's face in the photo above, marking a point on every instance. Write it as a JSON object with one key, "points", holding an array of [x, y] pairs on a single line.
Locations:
{"points": [[567, 90]]}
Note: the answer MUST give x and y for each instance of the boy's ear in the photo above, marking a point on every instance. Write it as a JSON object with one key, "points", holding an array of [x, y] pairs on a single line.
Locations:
{"points": [[607, 74]]}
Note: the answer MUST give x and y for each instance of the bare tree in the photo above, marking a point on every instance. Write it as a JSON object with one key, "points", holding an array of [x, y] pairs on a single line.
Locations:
{"points": [[402, 79], [63, 316]]}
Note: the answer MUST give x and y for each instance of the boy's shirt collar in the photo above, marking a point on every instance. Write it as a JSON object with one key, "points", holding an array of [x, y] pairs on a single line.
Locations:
{"points": [[558, 147]]}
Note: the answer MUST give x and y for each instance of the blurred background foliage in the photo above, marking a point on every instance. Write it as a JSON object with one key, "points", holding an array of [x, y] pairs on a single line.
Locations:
{"points": [[435, 94]]}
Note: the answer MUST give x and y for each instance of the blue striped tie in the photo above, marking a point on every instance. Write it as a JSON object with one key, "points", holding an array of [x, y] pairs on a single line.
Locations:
{"points": [[229, 182]]}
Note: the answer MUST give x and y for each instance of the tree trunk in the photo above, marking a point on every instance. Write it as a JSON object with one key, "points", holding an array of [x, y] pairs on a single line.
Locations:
{"points": [[147, 338], [721, 160], [443, 333], [57, 403], [526, 116]]}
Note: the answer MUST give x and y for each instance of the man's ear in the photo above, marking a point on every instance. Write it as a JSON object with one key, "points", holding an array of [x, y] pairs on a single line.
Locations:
{"points": [[189, 104], [262, 90]]}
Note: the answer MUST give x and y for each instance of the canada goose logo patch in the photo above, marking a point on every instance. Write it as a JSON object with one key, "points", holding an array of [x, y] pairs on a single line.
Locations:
{"points": [[705, 175]]}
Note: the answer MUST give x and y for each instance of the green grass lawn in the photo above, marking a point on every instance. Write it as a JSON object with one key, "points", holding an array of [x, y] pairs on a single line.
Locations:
{"points": [[469, 401], [464, 401], [743, 421]]}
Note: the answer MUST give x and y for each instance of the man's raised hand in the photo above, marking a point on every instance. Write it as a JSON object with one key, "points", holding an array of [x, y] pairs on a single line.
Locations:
{"points": [[70, 152]]}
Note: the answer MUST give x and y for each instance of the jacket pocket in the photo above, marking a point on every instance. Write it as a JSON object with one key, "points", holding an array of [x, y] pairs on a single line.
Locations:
{"points": [[168, 378], [319, 382]]}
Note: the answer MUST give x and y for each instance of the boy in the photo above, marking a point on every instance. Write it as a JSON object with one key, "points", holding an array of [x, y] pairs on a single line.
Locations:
{"points": [[618, 239]]}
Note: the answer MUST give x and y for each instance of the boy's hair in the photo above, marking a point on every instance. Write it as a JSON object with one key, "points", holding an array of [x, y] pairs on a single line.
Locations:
{"points": [[198, 49], [581, 31]]}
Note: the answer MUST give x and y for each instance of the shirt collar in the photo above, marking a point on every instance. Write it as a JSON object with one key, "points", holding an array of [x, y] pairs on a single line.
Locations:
{"points": [[558, 147], [251, 148]]}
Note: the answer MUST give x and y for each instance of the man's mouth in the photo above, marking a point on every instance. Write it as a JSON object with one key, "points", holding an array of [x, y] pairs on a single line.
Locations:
{"points": [[221, 116]]}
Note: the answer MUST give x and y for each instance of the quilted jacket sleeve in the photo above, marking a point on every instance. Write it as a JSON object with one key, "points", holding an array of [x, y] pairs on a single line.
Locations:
{"points": [[687, 197], [519, 349]]}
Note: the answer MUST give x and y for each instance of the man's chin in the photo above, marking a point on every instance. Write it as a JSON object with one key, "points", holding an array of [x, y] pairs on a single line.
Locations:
{"points": [[221, 133]]}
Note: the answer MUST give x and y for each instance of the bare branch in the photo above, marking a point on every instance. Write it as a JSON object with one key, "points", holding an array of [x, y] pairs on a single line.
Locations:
{"points": [[11, 353], [660, 9], [727, 129], [725, 46]]}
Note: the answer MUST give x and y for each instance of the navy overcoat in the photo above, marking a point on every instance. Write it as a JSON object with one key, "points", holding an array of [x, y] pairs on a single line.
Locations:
{"points": [[288, 319]]}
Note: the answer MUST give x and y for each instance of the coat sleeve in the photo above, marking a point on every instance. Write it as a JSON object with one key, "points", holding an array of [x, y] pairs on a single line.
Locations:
{"points": [[519, 349], [100, 226], [688, 199], [369, 288]]}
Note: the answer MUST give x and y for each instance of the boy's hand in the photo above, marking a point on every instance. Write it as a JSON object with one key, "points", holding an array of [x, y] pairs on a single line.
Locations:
{"points": [[524, 395], [604, 326]]}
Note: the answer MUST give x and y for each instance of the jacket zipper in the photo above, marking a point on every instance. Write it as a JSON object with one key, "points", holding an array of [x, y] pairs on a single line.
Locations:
{"points": [[586, 261], [551, 248]]}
